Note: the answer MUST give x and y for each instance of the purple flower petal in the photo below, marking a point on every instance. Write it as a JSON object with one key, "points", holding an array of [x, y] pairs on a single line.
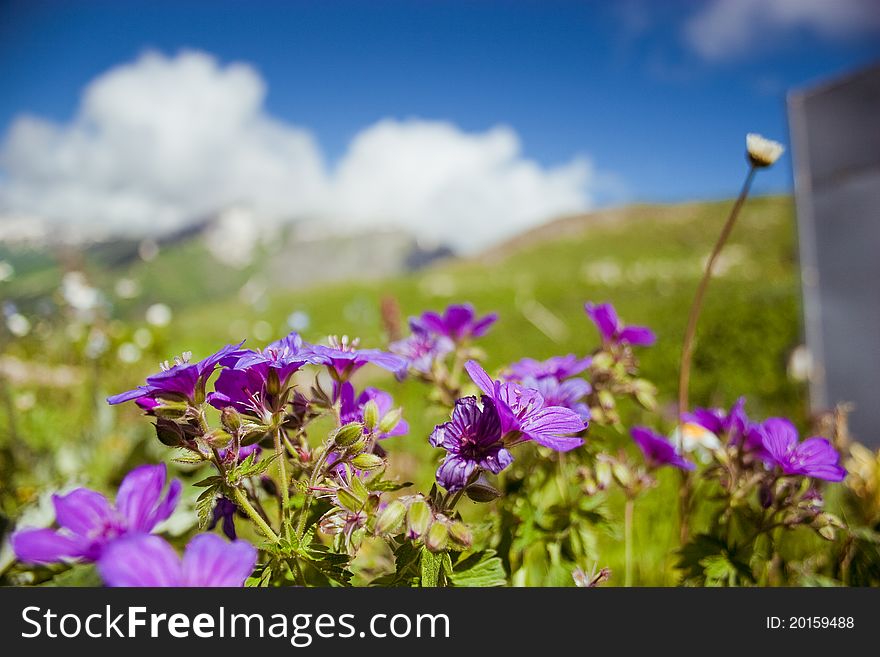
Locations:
{"points": [[478, 375], [481, 326], [548, 426], [139, 494], [605, 318], [658, 451], [46, 546], [140, 560], [779, 437], [211, 561], [639, 336], [83, 511], [454, 472]]}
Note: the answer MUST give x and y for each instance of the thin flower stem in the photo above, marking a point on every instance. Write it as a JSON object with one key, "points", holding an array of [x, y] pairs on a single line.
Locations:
{"points": [[687, 352], [285, 484], [245, 506], [688, 348], [628, 541]]}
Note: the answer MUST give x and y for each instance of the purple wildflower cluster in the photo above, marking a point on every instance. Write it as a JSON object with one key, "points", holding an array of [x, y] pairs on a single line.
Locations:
{"points": [[267, 406], [433, 336], [556, 379], [773, 443]]}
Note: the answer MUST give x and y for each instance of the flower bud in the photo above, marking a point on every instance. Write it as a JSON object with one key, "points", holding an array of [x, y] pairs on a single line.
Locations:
{"points": [[828, 532], [418, 519], [348, 434], [252, 434], [391, 518], [481, 491], [230, 419], [603, 474], [170, 410], [273, 383], [217, 438], [349, 500], [390, 421], [371, 505], [622, 474], [602, 361], [437, 537], [169, 433], [356, 486], [765, 496], [460, 534], [367, 462], [371, 415]]}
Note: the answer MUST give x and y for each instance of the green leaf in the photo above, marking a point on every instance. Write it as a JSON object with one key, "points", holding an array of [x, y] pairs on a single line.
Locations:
{"points": [[250, 467], [386, 485], [430, 567], [480, 569], [719, 570], [79, 575], [214, 480], [205, 505]]}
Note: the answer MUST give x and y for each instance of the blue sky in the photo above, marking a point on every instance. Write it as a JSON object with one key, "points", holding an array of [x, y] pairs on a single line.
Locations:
{"points": [[659, 114]]}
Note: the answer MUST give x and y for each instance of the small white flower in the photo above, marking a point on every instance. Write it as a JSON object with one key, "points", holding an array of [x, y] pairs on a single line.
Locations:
{"points": [[693, 438], [763, 152]]}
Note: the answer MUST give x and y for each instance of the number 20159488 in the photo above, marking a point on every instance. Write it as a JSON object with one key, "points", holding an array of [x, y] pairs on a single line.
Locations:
{"points": [[809, 622]]}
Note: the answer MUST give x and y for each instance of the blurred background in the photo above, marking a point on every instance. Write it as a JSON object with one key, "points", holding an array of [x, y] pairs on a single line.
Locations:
{"points": [[175, 176]]}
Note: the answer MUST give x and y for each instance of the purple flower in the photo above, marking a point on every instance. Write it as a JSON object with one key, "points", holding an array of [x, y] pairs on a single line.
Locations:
{"points": [[285, 356], [224, 512], [557, 367], [658, 450], [568, 394], [88, 522], [422, 348], [209, 561], [178, 382], [342, 358], [458, 322], [814, 457], [351, 408], [472, 439], [734, 423], [613, 330], [242, 389], [523, 411]]}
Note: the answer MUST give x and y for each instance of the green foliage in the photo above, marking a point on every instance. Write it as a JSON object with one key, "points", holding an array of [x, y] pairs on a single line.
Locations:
{"points": [[480, 569]]}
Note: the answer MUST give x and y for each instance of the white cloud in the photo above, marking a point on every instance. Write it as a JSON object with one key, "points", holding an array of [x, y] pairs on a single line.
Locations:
{"points": [[166, 140], [731, 28], [448, 185], [160, 142]]}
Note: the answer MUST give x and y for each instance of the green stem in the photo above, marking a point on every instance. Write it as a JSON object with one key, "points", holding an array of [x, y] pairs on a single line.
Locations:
{"points": [[628, 541], [285, 484], [245, 506], [313, 481]]}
